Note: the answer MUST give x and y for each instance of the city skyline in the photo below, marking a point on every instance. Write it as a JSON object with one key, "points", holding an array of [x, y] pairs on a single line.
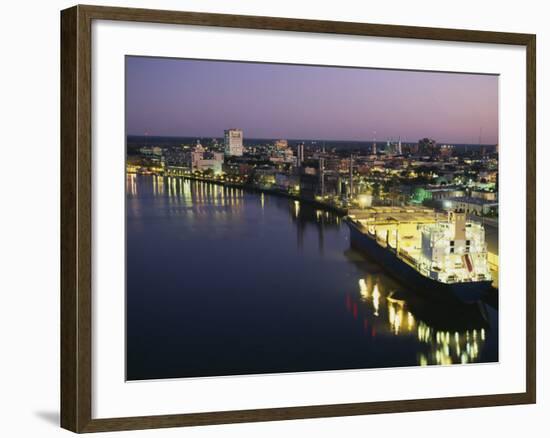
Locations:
{"points": [[198, 98]]}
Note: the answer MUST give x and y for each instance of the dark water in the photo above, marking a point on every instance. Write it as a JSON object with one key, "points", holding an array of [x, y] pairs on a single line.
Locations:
{"points": [[221, 281]]}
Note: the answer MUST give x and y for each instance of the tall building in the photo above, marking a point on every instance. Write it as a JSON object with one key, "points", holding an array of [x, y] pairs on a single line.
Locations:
{"points": [[299, 154], [233, 142], [427, 146]]}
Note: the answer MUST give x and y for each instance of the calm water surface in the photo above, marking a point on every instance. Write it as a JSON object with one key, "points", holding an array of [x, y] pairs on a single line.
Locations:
{"points": [[221, 281]]}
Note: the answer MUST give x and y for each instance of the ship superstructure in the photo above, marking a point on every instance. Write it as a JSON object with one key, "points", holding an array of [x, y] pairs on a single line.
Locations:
{"points": [[454, 251]]}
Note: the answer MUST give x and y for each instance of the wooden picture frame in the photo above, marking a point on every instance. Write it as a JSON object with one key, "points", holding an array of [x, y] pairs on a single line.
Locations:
{"points": [[76, 217]]}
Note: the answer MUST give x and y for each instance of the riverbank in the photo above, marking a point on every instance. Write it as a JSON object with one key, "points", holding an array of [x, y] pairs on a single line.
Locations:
{"points": [[275, 192]]}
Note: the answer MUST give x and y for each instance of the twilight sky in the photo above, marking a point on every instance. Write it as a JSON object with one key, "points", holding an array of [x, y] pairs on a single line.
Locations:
{"points": [[177, 97]]}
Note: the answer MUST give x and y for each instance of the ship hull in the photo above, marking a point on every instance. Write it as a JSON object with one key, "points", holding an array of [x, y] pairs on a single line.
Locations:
{"points": [[464, 292]]}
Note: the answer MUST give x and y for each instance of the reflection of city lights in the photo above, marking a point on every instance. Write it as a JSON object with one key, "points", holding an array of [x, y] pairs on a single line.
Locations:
{"points": [[363, 289], [423, 361], [296, 208], [376, 300], [131, 184], [410, 320], [397, 323]]}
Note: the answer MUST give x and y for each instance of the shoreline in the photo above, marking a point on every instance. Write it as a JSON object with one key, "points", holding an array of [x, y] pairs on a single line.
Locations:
{"points": [[255, 189]]}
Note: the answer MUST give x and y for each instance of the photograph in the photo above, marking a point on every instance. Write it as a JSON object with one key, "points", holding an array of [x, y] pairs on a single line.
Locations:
{"points": [[289, 218]]}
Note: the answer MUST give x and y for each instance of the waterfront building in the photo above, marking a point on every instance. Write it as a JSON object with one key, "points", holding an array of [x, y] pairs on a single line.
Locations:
{"points": [[284, 181], [201, 160], [176, 155], [264, 176], [175, 170], [196, 154], [233, 142], [237, 169]]}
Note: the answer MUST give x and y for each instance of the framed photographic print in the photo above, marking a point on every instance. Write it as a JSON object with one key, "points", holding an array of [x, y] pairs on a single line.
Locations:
{"points": [[270, 218]]}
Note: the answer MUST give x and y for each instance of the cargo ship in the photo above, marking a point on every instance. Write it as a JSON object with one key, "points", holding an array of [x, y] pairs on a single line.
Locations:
{"points": [[440, 254]]}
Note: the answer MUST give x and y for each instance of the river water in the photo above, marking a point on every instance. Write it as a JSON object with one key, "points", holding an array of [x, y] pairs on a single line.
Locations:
{"points": [[221, 281]]}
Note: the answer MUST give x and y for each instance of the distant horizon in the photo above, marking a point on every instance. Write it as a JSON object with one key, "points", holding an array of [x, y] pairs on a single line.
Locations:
{"points": [[308, 139], [165, 96]]}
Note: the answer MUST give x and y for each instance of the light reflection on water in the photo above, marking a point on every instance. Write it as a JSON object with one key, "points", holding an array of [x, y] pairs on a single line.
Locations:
{"points": [[454, 335], [289, 259]]}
